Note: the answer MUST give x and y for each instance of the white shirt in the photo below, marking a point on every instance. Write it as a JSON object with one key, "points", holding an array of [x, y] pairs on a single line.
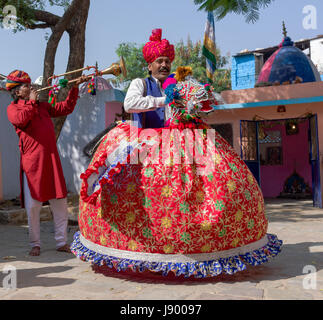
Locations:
{"points": [[135, 102]]}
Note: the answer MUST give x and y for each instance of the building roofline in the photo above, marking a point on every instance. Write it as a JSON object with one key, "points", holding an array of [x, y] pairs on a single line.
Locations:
{"points": [[305, 42]]}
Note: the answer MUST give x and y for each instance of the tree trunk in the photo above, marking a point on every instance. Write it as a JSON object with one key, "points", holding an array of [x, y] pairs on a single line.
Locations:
{"points": [[76, 30], [52, 44], [49, 62]]}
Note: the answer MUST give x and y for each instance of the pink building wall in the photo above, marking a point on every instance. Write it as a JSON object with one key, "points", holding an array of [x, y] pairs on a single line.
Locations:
{"points": [[234, 116], [273, 177], [111, 109]]}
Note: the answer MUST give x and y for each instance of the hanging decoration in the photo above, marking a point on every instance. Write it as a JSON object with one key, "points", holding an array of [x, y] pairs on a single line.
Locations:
{"points": [[52, 95], [62, 83], [281, 109], [92, 86], [291, 126]]}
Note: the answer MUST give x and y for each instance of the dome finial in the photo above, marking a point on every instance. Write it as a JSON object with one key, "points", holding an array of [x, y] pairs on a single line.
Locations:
{"points": [[284, 29]]}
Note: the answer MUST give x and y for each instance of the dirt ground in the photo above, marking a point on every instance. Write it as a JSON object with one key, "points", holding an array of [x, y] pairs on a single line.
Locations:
{"points": [[61, 276]]}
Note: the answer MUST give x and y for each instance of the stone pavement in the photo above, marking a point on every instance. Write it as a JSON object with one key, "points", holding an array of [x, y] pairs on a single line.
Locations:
{"points": [[61, 276]]}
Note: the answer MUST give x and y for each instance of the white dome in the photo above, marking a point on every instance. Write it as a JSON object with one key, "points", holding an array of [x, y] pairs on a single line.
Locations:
{"points": [[39, 80]]}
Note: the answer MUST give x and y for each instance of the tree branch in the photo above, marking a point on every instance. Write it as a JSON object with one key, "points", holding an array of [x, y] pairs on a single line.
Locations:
{"points": [[46, 17], [69, 13], [38, 26]]}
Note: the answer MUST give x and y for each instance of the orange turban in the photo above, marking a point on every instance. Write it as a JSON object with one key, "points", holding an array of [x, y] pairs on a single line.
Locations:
{"points": [[16, 78], [158, 47]]}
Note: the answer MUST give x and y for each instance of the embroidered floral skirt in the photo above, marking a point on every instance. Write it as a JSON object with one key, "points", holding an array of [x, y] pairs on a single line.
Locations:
{"points": [[173, 199]]}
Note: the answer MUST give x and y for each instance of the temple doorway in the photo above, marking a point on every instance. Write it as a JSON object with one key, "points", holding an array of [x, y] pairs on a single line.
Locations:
{"points": [[285, 166], [283, 156]]}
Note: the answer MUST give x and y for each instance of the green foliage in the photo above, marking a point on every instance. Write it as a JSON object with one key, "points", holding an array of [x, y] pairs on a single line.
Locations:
{"points": [[248, 8], [222, 80], [135, 63], [189, 54], [26, 9]]}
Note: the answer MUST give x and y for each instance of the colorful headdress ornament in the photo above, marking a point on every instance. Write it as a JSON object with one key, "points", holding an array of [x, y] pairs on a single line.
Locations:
{"points": [[187, 96], [17, 78], [158, 47]]}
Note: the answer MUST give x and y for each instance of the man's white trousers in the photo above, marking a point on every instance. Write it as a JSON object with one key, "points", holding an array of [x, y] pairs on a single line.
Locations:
{"points": [[60, 216]]}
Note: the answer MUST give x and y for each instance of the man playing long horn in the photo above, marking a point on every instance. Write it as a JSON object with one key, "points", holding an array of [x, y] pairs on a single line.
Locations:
{"points": [[41, 174]]}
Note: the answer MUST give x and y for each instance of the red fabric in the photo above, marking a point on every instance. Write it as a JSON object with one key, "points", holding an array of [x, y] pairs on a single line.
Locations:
{"points": [[37, 143], [168, 209], [158, 47]]}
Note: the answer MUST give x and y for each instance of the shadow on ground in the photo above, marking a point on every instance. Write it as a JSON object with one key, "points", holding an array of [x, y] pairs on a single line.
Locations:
{"points": [[288, 264], [286, 210], [36, 277], [15, 246], [16, 249]]}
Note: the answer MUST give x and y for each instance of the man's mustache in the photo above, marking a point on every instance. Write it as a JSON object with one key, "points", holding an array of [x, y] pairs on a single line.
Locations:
{"points": [[164, 69]]}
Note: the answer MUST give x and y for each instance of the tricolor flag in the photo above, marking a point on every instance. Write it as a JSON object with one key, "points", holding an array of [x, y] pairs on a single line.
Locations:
{"points": [[209, 48]]}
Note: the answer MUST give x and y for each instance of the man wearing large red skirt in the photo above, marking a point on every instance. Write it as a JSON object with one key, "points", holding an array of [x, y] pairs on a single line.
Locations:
{"points": [[41, 174]]}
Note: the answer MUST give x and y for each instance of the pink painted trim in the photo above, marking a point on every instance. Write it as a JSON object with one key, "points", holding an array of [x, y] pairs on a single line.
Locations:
{"points": [[282, 92]]}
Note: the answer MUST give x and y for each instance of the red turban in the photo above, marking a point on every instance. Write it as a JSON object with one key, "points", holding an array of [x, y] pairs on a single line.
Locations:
{"points": [[157, 47], [16, 78]]}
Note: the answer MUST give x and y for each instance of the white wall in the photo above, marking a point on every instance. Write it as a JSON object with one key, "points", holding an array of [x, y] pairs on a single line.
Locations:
{"points": [[9, 152], [87, 120], [317, 54]]}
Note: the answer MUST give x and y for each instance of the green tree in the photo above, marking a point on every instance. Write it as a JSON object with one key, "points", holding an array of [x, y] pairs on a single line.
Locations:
{"points": [[250, 9], [32, 14], [135, 63], [189, 54]]}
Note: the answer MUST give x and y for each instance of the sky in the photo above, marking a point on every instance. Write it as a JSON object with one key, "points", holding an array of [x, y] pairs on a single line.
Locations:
{"points": [[112, 22]]}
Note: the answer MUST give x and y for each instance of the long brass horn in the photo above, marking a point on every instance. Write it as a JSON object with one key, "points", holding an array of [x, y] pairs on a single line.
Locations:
{"points": [[116, 69]]}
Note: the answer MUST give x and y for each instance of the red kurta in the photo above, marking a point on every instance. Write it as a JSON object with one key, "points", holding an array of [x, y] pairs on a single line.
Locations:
{"points": [[37, 143]]}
